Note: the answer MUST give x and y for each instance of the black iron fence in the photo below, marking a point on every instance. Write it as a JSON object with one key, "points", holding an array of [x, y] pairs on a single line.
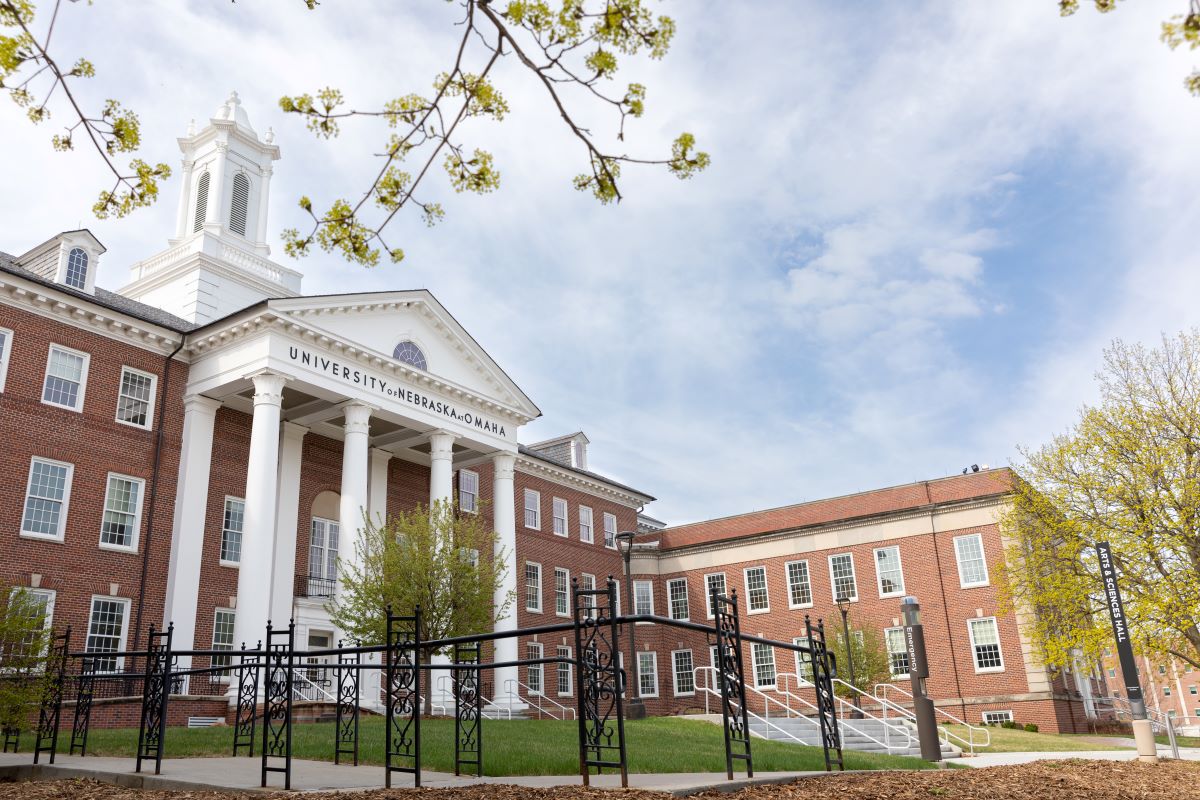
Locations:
{"points": [[261, 683]]}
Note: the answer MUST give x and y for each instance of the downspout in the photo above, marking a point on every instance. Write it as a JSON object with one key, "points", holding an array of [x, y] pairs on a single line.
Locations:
{"points": [[945, 604], [153, 499]]}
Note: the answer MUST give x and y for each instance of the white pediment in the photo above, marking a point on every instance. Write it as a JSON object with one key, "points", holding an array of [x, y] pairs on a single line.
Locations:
{"points": [[377, 322]]}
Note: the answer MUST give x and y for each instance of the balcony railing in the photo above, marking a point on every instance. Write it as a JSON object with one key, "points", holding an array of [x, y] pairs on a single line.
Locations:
{"points": [[313, 586]]}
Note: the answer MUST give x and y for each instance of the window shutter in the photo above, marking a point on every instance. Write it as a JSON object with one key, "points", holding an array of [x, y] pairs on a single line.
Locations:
{"points": [[201, 201], [239, 204]]}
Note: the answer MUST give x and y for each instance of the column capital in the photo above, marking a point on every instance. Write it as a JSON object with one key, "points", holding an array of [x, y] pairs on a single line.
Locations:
{"points": [[291, 430], [268, 387], [504, 466], [441, 445], [357, 416], [200, 403], [378, 453]]}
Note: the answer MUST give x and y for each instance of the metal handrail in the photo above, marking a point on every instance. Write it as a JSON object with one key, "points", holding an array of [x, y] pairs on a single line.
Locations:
{"points": [[888, 730], [305, 686], [1157, 719], [540, 696], [493, 713], [706, 690], [845, 707], [945, 734]]}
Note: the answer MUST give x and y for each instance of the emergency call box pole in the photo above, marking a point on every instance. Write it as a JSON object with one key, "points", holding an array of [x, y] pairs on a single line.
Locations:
{"points": [[918, 671]]}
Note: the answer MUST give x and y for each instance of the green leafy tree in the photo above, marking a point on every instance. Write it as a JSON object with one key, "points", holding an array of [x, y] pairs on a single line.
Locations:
{"points": [[439, 560], [870, 661], [572, 48], [1127, 472], [23, 644]]}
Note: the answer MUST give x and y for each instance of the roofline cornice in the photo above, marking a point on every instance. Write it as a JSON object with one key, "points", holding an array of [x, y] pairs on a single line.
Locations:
{"points": [[79, 313], [573, 480]]}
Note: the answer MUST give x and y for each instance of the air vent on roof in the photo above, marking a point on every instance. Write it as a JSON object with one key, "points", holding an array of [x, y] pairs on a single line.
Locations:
{"points": [[201, 201], [241, 199]]}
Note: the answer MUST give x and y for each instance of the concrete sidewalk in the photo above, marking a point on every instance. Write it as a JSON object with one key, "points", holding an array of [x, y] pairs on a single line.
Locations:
{"points": [[1006, 759], [243, 774]]}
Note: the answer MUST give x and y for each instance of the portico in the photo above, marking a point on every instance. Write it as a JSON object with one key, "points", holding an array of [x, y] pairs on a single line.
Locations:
{"points": [[301, 368]]}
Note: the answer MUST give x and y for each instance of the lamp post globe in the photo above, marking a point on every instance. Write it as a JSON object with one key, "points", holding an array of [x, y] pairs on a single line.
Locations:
{"points": [[843, 605], [634, 708]]}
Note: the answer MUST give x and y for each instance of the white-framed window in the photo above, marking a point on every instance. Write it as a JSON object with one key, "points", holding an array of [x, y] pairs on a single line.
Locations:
{"points": [[587, 581], [534, 672], [1192, 689], [533, 509], [888, 573], [972, 568], [222, 639], [997, 717], [6, 337], [77, 268], [47, 496], [107, 626], [66, 378], [1166, 691], [323, 544], [714, 583], [647, 673], [757, 601], [122, 512], [682, 674], [610, 530], [135, 398], [559, 509], [763, 658], [41, 607], [643, 598], [985, 644], [585, 525], [841, 576], [799, 584], [533, 586], [897, 650], [562, 592], [565, 681], [677, 599], [803, 660], [231, 530], [468, 491]]}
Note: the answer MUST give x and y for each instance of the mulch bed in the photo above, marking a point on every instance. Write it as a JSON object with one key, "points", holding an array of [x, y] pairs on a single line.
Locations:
{"points": [[1045, 780]]}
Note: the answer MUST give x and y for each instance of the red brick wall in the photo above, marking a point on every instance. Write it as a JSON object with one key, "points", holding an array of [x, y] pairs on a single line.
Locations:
{"points": [[96, 444]]}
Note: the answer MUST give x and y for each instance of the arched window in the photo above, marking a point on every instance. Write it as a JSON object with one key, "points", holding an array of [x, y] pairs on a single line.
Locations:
{"points": [[201, 201], [239, 203], [77, 263], [410, 354]]}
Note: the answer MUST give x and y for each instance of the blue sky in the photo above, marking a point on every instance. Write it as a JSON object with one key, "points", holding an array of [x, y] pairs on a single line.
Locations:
{"points": [[922, 224]]}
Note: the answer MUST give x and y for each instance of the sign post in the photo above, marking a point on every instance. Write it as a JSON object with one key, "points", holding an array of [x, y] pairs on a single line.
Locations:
{"points": [[1143, 733], [918, 671]]}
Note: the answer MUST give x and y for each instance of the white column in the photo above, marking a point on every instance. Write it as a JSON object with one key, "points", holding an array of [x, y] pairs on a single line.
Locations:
{"points": [[287, 520], [258, 529], [354, 478], [441, 467], [263, 197], [185, 200], [191, 506], [504, 522], [378, 491]]}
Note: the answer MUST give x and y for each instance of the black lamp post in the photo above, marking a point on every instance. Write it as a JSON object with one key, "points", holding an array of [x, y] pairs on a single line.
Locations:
{"points": [[634, 708], [843, 604]]}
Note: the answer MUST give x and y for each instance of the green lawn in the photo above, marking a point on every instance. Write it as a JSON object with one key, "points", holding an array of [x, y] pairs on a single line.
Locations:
{"points": [[517, 747], [1009, 740]]}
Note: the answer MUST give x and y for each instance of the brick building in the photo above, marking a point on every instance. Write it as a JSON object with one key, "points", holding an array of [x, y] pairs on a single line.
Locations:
{"points": [[233, 432]]}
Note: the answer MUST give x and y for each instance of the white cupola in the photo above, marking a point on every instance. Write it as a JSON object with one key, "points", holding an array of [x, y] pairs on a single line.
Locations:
{"points": [[218, 261]]}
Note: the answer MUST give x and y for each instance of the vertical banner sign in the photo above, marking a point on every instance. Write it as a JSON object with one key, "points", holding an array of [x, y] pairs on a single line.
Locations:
{"points": [[1116, 610]]}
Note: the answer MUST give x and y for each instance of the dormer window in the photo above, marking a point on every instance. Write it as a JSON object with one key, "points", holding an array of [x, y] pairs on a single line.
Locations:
{"points": [[408, 353], [238, 204], [77, 267]]}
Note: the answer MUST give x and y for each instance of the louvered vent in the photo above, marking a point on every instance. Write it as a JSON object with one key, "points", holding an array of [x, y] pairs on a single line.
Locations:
{"points": [[237, 209], [201, 201]]}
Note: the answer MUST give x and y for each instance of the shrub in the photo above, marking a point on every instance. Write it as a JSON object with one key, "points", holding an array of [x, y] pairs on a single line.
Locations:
{"points": [[1008, 723], [1031, 727]]}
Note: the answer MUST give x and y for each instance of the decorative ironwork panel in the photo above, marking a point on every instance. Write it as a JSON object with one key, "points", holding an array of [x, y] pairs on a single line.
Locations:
{"points": [[468, 708], [346, 729], [278, 675], [402, 683], [823, 671], [249, 665], [730, 676], [155, 690], [50, 710], [601, 709], [85, 691]]}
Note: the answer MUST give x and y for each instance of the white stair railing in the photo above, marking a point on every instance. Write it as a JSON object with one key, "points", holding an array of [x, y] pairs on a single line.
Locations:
{"points": [[490, 709], [849, 712], [969, 743], [544, 705], [1159, 722], [304, 688], [707, 688]]}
